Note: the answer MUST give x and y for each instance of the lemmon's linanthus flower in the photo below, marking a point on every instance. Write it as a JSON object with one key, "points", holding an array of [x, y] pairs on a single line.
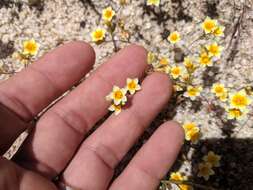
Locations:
{"points": [[235, 113], [108, 14], [214, 49], [205, 170], [174, 37], [209, 25], [30, 47], [192, 132], [153, 2], [239, 100], [176, 71], [212, 158], [151, 57], [132, 85], [223, 97], [193, 92], [188, 63], [177, 176], [205, 59], [219, 31], [118, 95], [164, 61], [98, 35], [115, 108], [219, 90], [185, 77]]}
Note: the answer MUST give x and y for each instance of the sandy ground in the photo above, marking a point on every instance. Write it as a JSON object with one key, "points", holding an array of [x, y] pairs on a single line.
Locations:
{"points": [[55, 22]]}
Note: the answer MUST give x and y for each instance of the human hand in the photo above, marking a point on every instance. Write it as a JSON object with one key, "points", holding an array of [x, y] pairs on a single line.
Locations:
{"points": [[56, 147]]}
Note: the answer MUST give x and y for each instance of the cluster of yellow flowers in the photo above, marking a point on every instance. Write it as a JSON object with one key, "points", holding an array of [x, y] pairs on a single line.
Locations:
{"points": [[29, 50], [183, 74], [212, 26], [192, 132], [153, 2], [178, 177], [205, 168], [118, 96], [98, 35], [236, 103]]}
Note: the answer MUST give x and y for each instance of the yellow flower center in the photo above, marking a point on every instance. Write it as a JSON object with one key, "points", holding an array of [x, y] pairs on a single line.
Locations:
{"points": [[209, 25], [164, 61], [214, 49], [176, 71], [192, 92], [98, 34], [205, 59], [239, 100], [218, 31], [108, 14], [31, 47], [174, 37], [132, 85], [118, 95], [219, 89], [235, 112]]}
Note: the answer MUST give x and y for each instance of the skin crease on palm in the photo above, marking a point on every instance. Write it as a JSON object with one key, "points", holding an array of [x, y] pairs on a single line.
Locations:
{"points": [[55, 145]]}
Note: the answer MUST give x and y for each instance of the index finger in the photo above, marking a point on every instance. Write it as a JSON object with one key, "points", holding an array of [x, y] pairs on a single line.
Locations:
{"points": [[27, 93]]}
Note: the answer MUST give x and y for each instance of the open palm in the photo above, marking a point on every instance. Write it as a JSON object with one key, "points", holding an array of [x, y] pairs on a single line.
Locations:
{"points": [[56, 147]]}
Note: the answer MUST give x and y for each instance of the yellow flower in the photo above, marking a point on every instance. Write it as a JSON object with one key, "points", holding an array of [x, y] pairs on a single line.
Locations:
{"points": [[214, 49], [223, 97], [235, 113], [98, 35], [153, 2], [174, 37], [108, 14], [239, 100], [177, 176], [115, 108], [176, 71], [205, 170], [30, 47], [164, 61], [192, 132], [218, 89], [209, 25], [189, 126], [132, 85], [219, 31], [205, 59], [185, 77], [192, 92], [118, 95], [212, 159], [188, 63], [151, 57]]}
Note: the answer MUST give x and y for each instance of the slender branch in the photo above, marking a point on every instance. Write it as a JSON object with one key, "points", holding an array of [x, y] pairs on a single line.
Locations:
{"points": [[114, 43]]}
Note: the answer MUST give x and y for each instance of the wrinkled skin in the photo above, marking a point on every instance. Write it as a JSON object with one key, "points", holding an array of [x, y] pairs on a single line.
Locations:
{"points": [[56, 144]]}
